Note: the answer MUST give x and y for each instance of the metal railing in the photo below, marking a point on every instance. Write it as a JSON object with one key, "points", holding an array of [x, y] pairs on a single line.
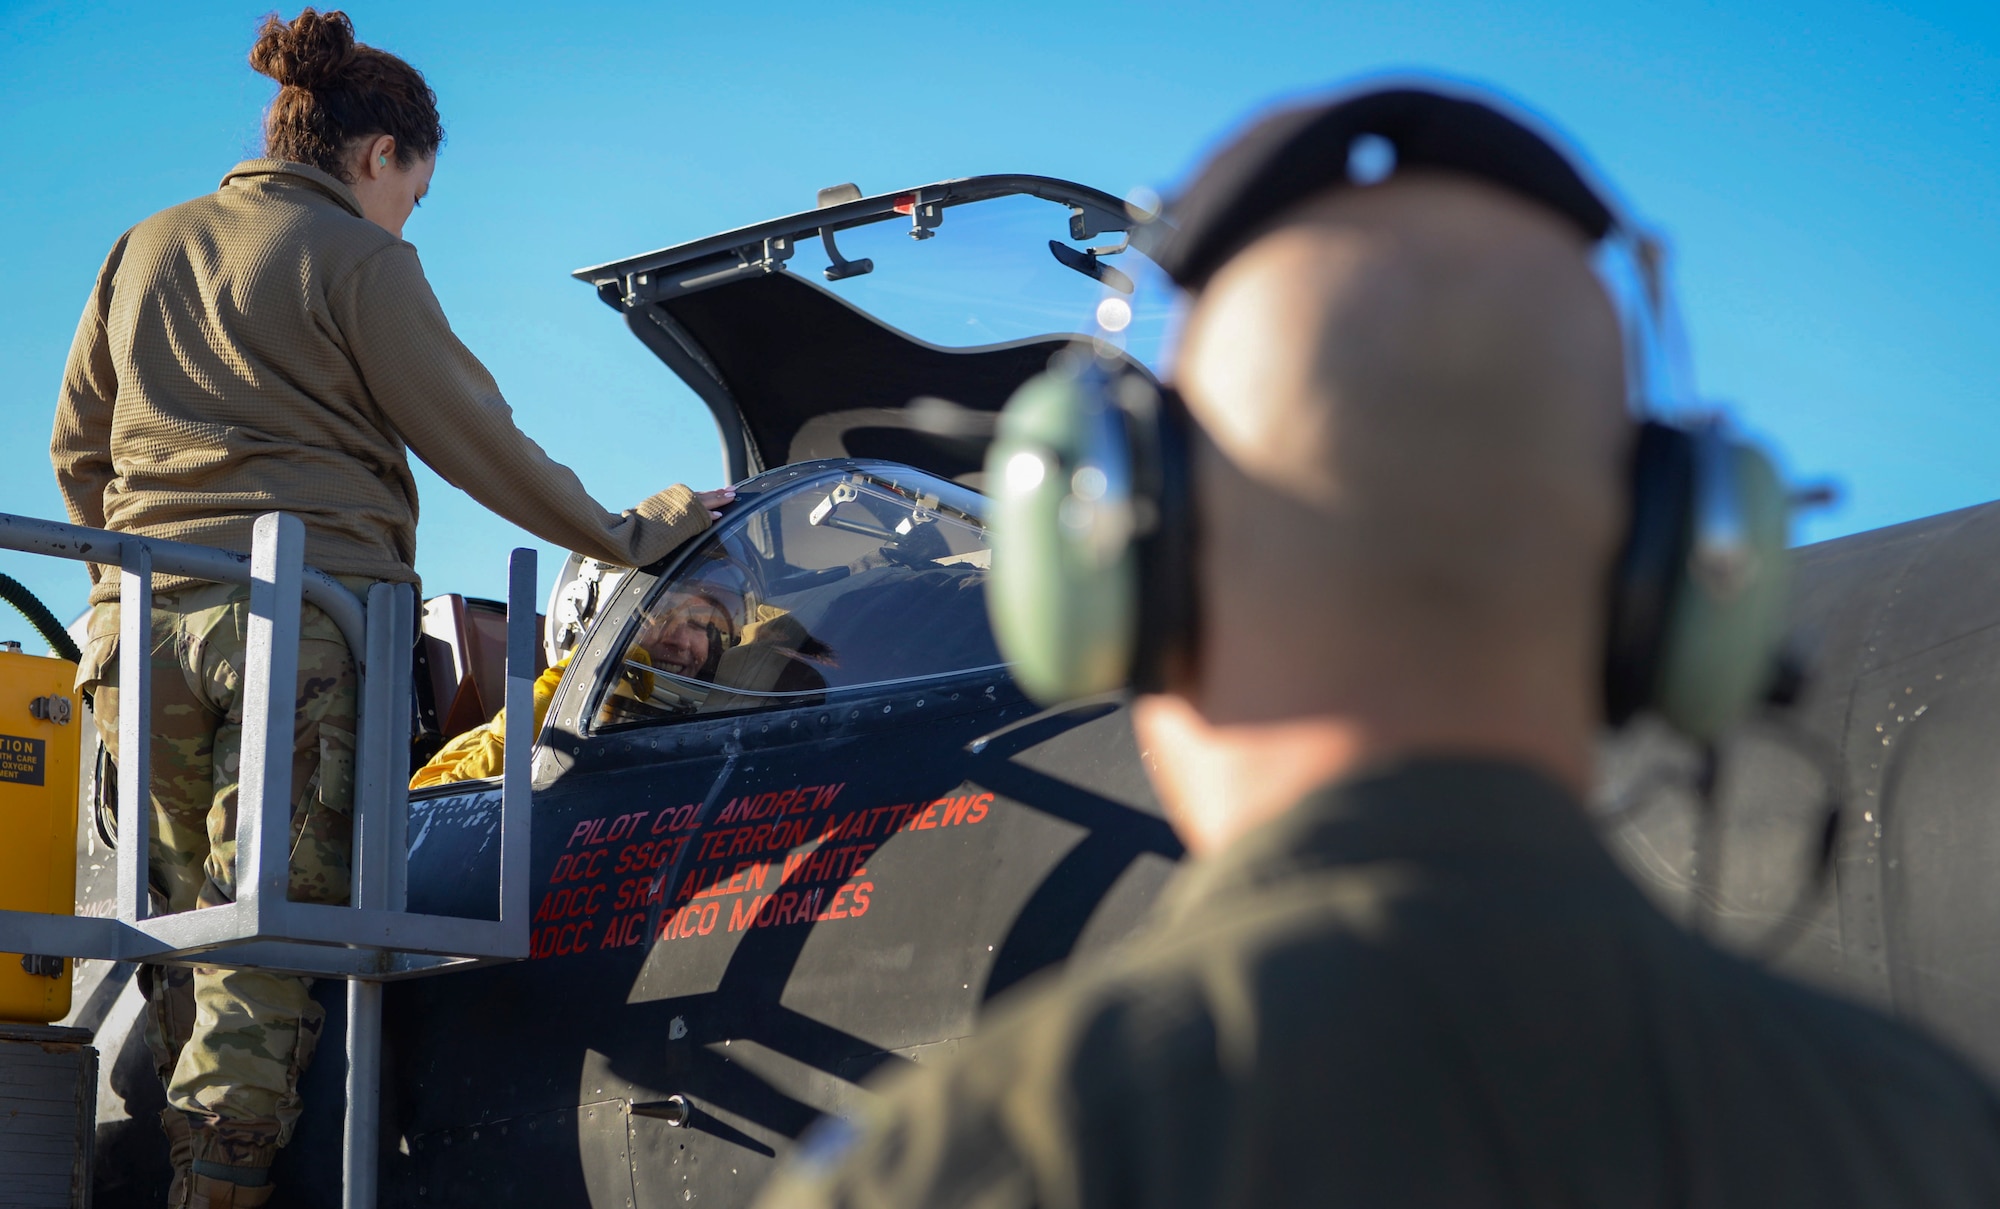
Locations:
{"points": [[372, 940]]}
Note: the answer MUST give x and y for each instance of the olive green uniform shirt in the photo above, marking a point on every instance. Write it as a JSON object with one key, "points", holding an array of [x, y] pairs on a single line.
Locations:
{"points": [[267, 348], [1429, 987]]}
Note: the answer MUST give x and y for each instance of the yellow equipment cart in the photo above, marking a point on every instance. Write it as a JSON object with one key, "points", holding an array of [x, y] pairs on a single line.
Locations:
{"points": [[40, 753]]}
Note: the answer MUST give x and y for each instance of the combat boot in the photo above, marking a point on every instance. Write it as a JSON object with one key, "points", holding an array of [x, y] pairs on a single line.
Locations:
{"points": [[180, 1153], [206, 1193], [231, 1163]]}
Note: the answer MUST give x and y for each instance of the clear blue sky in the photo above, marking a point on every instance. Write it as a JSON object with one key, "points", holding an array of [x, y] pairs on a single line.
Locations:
{"points": [[1829, 174]]}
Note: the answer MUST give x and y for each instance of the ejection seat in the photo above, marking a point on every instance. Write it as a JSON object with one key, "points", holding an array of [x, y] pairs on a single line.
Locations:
{"points": [[463, 662]]}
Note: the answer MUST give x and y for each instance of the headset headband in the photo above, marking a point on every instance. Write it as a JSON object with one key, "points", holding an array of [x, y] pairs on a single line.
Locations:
{"points": [[1301, 151]]}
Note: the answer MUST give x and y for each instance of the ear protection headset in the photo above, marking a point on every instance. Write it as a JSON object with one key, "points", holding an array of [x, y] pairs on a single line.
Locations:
{"points": [[1094, 531]]}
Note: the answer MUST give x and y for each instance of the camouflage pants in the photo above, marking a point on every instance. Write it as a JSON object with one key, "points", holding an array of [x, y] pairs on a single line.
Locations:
{"points": [[231, 1044]]}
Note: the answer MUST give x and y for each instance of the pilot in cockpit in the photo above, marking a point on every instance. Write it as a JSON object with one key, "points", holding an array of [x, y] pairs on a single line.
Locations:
{"points": [[866, 583], [686, 633], [709, 644], [683, 634]]}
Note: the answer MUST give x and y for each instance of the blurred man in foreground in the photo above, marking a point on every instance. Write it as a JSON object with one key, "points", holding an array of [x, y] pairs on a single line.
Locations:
{"points": [[1401, 968]]}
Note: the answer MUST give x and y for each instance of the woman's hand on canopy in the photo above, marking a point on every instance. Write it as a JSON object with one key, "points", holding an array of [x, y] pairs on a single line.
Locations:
{"points": [[715, 501]]}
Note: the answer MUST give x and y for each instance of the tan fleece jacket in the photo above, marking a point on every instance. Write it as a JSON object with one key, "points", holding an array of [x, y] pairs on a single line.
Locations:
{"points": [[267, 348]]}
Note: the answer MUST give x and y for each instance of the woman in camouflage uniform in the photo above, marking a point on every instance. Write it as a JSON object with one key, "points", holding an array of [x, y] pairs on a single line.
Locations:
{"points": [[275, 346]]}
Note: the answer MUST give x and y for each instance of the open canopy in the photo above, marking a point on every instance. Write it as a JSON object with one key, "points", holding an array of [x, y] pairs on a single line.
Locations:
{"points": [[891, 326]]}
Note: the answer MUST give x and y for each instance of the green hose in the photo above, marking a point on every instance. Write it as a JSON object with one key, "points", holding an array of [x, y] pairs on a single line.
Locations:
{"points": [[38, 615]]}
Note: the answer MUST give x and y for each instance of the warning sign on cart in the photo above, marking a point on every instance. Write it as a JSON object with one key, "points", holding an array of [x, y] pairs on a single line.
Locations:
{"points": [[22, 760]]}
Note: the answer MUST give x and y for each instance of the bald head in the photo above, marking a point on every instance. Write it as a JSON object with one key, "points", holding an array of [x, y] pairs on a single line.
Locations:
{"points": [[1413, 406]]}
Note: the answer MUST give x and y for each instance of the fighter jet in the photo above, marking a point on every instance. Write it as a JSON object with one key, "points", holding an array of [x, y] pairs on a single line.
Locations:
{"points": [[794, 824], [1850, 836]]}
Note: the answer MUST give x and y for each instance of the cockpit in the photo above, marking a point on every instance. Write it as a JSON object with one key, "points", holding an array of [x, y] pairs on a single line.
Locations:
{"points": [[840, 580]]}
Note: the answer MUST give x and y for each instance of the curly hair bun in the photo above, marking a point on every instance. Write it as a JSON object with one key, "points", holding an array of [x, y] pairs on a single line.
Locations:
{"points": [[310, 52], [334, 91]]}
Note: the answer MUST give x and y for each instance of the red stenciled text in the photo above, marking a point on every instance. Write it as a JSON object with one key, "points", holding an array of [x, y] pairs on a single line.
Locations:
{"points": [[773, 858]]}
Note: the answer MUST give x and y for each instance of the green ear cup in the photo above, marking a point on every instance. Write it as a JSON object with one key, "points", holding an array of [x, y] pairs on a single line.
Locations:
{"points": [[1727, 618], [1063, 593]]}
